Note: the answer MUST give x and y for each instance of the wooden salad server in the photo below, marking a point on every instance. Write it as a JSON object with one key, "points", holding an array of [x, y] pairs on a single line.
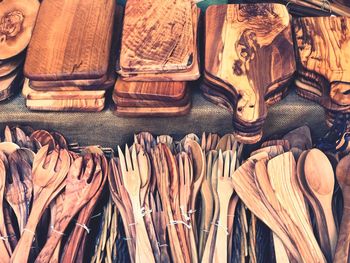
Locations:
{"points": [[161, 169], [210, 244], [343, 245], [282, 175], [225, 191], [319, 216], [86, 182], [132, 182], [207, 203], [19, 189], [246, 188], [46, 181], [320, 177]]}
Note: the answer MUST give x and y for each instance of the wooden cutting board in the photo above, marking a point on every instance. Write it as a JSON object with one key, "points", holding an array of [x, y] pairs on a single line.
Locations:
{"points": [[10, 84], [11, 65], [137, 103], [163, 91], [250, 47], [323, 54], [79, 105], [189, 74], [157, 36], [17, 19], [31, 94], [152, 111], [71, 40]]}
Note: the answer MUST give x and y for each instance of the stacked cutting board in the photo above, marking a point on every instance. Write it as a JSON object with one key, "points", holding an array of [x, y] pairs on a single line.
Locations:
{"points": [[158, 56], [249, 62], [69, 61], [323, 56], [17, 20]]}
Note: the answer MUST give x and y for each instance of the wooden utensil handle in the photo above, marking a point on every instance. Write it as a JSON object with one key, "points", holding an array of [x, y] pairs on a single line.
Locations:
{"points": [[22, 250], [342, 250], [220, 254], [52, 242], [332, 230]]}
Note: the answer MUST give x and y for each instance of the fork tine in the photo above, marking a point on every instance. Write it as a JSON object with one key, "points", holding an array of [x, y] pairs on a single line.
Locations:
{"points": [[181, 169], [134, 161], [128, 158], [233, 163], [121, 160], [234, 146], [227, 163], [220, 166], [76, 168]]}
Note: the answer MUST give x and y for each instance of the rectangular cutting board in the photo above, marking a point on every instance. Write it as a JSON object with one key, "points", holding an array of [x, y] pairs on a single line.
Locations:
{"points": [[71, 40]]}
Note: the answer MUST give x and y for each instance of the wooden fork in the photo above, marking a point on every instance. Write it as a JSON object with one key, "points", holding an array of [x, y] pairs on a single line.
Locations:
{"points": [[46, 181], [19, 189], [132, 183]]}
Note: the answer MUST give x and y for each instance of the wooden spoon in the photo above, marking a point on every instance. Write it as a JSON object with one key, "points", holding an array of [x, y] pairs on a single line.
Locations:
{"points": [[319, 216], [320, 178], [5, 248], [343, 245]]}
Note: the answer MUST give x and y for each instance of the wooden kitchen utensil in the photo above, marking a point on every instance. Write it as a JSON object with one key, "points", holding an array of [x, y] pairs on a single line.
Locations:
{"points": [[314, 204], [46, 182], [343, 175], [320, 177], [17, 20], [86, 182]]}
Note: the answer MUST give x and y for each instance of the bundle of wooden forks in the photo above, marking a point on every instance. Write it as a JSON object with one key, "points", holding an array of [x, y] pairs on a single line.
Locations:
{"points": [[156, 185]]}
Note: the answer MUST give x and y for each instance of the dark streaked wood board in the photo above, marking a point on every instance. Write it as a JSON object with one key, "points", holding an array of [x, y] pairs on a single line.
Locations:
{"points": [[31, 94], [165, 91], [137, 103], [254, 51], [157, 36], [17, 19], [323, 56], [71, 40]]}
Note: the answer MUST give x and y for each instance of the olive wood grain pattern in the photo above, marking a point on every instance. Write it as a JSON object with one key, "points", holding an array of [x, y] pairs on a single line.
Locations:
{"points": [[87, 105], [31, 94], [157, 36], [125, 102], [152, 111], [244, 42], [80, 33], [322, 45], [343, 175], [163, 91], [17, 19]]}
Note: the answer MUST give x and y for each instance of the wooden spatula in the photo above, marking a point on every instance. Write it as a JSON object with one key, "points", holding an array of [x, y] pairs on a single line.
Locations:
{"points": [[320, 178], [343, 176]]}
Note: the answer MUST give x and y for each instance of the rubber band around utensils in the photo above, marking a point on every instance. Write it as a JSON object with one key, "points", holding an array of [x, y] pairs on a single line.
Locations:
{"points": [[162, 245], [84, 227], [127, 238], [6, 237], [55, 231], [178, 222], [219, 225], [28, 230], [145, 212], [205, 231], [184, 214], [95, 216]]}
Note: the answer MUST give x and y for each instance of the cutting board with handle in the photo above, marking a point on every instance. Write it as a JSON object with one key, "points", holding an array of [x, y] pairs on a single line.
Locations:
{"points": [[249, 47], [323, 56], [71, 40]]}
